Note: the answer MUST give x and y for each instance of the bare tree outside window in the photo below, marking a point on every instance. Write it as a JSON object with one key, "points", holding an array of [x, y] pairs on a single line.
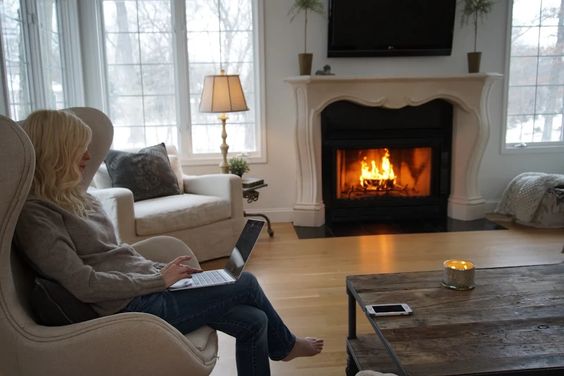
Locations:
{"points": [[536, 77]]}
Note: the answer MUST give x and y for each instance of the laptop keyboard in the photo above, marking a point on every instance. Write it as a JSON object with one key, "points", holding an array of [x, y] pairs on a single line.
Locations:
{"points": [[211, 277]]}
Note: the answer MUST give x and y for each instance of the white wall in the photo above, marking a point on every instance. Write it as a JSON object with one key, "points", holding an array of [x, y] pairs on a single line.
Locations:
{"points": [[284, 40]]}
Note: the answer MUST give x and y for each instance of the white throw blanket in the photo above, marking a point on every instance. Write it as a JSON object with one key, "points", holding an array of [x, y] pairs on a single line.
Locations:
{"points": [[523, 197]]}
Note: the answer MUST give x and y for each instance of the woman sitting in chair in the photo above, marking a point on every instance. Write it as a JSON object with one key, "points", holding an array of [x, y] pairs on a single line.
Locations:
{"points": [[67, 237]]}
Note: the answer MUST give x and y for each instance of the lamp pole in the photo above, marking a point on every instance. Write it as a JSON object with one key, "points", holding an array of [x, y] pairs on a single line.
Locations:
{"points": [[224, 147]]}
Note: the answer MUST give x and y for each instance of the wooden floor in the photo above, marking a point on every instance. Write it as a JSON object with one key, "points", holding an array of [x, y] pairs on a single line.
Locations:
{"points": [[305, 279]]}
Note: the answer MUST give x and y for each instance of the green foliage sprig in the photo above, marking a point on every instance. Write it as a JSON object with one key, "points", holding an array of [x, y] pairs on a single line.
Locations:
{"points": [[315, 6], [473, 11], [238, 166]]}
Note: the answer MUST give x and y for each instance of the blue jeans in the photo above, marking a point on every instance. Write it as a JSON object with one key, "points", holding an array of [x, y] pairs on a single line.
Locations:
{"points": [[241, 310]]}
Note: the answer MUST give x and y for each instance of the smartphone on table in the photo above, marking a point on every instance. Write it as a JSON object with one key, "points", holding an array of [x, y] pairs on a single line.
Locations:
{"points": [[393, 309]]}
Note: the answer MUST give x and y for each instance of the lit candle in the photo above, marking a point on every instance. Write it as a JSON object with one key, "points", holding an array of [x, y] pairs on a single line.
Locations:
{"points": [[458, 274]]}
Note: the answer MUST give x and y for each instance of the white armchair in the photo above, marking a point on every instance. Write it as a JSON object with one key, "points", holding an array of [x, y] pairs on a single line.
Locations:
{"points": [[122, 344], [207, 216]]}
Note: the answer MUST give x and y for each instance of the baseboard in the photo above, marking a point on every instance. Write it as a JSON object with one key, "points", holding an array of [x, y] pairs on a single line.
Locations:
{"points": [[490, 206], [276, 215]]}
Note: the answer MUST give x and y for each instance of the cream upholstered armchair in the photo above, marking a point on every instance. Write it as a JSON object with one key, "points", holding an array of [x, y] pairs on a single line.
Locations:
{"points": [[121, 344], [207, 215]]}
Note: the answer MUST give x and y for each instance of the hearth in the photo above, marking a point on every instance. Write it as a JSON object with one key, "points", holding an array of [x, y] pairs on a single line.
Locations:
{"points": [[386, 164]]}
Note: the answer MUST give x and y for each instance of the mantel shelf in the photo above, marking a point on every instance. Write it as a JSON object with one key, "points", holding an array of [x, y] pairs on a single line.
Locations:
{"points": [[337, 78]]}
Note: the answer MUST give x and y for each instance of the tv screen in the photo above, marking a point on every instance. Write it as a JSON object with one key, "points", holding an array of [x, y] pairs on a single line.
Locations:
{"points": [[390, 27]]}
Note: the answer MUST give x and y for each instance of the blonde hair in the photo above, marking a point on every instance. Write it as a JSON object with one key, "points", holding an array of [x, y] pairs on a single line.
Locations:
{"points": [[60, 139]]}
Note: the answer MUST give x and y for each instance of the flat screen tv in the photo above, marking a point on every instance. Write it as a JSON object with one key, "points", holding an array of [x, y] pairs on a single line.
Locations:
{"points": [[361, 28]]}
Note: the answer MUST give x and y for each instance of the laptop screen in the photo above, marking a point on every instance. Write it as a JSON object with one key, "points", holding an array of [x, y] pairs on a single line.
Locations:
{"points": [[243, 248]]}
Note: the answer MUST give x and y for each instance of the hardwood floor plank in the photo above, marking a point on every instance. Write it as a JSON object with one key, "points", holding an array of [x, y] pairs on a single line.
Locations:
{"points": [[305, 279]]}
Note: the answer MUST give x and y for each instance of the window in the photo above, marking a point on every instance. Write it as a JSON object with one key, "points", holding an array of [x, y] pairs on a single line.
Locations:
{"points": [[536, 75], [226, 27], [39, 79], [15, 59], [157, 53], [138, 40]]}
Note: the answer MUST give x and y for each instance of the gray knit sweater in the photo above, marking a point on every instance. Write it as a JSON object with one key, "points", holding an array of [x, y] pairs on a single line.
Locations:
{"points": [[83, 255]]}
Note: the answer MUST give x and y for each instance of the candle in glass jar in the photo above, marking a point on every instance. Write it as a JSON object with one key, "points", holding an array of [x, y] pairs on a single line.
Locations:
{"points": [[458, 274]]}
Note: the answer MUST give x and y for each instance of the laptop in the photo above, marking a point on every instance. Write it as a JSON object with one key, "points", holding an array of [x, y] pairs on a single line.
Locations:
{"points": [[234, 266]]}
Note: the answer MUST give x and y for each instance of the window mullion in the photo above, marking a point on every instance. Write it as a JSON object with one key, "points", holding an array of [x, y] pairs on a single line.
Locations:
{"points": [[260, 81], [33, 51], [181, 67], [70, 52], [92, 54], [4, 94]]}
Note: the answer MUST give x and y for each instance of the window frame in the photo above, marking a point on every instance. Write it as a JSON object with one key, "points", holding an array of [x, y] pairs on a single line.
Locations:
{"points": [[514, 148], [98, 65], [67, 21]]}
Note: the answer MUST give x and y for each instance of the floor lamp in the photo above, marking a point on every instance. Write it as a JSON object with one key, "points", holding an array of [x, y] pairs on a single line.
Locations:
{"points": [[223, 93]]}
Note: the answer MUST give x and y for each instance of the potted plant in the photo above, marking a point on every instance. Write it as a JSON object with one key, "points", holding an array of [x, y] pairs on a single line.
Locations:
{"points": [[315, 6], [238, 166], [473, 11]]}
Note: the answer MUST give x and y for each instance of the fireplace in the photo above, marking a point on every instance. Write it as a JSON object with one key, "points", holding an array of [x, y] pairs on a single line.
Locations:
{"points": [[386, 164], [467, 93]]}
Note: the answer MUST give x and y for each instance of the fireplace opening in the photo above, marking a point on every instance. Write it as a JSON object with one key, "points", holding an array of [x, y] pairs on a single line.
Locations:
{"points": [[382, 164], [383, 172]]}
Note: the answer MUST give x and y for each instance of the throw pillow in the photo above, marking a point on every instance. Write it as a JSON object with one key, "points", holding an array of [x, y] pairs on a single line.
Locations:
{"points": [[53, 305], [147, 173]]}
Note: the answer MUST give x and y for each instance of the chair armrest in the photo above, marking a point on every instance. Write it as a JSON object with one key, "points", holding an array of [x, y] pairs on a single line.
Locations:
{"points": [[98, 347], [118, 205], [226, 186], [164, 249]]}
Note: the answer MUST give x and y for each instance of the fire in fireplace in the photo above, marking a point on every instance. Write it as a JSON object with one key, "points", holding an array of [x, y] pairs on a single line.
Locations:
{"points": [[381, 172], [383, 164]]}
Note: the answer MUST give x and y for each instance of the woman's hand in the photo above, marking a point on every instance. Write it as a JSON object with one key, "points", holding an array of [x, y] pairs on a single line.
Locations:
{"points": [[176, 270]]}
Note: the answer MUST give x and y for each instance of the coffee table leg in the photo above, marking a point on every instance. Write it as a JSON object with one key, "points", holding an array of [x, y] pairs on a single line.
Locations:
{"points": [[351, 369], [352, 316]]}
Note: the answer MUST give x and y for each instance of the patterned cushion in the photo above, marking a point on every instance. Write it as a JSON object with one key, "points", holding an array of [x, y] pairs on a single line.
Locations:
{"points": [[146, 174]]}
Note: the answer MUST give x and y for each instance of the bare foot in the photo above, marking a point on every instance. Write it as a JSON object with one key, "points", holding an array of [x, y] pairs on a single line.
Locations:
{"points": [[307, 346]]}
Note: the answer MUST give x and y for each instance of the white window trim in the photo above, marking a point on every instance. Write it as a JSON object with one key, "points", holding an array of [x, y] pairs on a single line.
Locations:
{"points": [[182, 81], [260, 82], [69, 31], [92, 47], [531, 148], [4, 97], [30, 32]]}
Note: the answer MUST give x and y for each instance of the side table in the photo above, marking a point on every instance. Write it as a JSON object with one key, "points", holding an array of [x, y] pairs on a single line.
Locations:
{"points": [[252, 195]]}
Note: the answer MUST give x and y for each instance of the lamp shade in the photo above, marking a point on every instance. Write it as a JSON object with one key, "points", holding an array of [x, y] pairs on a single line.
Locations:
{"points": [[223, 93]]}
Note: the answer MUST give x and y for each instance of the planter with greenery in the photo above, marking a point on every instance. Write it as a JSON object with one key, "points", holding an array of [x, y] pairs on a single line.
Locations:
{"points": [[474, 11], [238, 166], [315, 6]]}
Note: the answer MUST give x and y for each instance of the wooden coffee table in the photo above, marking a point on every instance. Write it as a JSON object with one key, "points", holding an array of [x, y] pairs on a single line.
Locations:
{"points": [[512, 323]]}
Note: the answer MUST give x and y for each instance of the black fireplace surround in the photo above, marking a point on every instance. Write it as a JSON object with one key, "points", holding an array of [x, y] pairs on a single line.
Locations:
{"points": [[348, 125]]}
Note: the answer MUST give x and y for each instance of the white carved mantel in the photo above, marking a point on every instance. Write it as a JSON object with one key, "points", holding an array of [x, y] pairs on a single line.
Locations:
{"points": [[467, 93]]}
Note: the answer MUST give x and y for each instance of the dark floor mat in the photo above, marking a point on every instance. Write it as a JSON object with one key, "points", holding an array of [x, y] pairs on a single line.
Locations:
{"points": [[395, 227]]}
